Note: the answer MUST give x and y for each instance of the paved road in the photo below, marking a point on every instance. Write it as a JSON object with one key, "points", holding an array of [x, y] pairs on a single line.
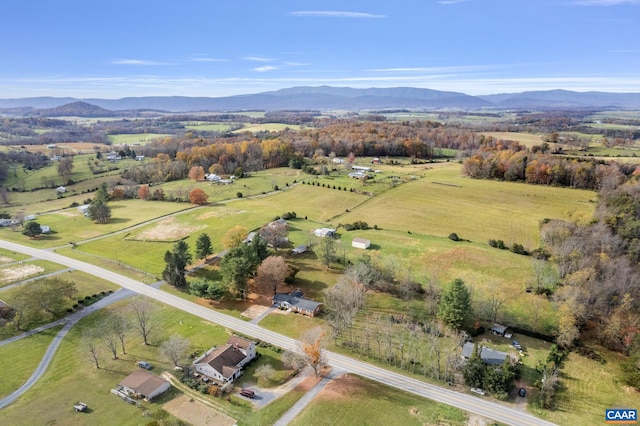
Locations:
{"points": [[480, 406]]}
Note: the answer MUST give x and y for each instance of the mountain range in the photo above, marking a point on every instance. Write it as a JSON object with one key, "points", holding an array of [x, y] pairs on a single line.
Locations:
{"points": [[322, 97]]}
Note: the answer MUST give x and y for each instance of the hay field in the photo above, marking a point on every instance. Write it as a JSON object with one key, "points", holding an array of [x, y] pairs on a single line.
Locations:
{"points": [[443, 202]]}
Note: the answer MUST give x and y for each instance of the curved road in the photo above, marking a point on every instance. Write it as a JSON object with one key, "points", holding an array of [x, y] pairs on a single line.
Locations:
{"points": [[480, 406]]}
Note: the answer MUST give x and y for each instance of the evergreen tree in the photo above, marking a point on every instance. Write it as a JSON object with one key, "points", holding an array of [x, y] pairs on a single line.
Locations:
{"points": [[176, 262], [98, 210], [475, 369], [32, 229], [455, 305], [203, 246]]}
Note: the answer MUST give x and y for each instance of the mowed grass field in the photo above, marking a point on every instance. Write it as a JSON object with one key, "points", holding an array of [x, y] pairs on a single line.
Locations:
{"points": [[135, 139], [19, 359], [443, 201], [526, 139], [353, 400]]}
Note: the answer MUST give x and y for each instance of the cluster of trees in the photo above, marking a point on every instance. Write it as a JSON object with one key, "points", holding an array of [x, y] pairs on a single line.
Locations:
{"points": [[44, 298], [496, 379], [510, 161], [99, 211]]}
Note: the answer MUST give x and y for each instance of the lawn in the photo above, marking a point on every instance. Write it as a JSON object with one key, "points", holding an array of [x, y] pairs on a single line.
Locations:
{"points": [[135, 139], [21, 359], [71, 377], [352, 400], [71, 225], [443, 201], [14, 273]]}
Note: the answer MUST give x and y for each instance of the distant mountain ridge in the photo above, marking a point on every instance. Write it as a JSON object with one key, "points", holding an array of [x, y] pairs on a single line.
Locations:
{"points": [[324, 97]]}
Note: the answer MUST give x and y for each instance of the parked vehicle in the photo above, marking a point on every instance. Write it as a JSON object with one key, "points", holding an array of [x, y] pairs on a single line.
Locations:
{"points": [[522, 392], [80, 406], [478, 391], [516, 344], [248, 393], [144, 364]]}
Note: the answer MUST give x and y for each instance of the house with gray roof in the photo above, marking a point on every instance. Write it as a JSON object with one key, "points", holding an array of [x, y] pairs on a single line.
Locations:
{"points": [[224, 363], [295, 302], [488, 355]]}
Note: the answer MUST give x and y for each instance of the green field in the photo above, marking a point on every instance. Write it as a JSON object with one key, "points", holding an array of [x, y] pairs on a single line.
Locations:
{"points": [[352, 400], [205, 126], [135, 139], [21, 359], [443, 201], [267, 127]]}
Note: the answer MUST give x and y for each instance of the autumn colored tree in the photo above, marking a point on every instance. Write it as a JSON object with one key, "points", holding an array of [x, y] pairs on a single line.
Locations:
{"points": [[272, 272], [198, 196], [196, 173], [143, 192], [311, 343], [234, 237]]}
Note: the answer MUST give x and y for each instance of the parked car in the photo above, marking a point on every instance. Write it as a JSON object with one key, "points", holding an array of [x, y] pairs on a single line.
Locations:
{"points": [[145, 365], [248, 393], [522, 392], [478, 391], [516, 344], [80, 406]]}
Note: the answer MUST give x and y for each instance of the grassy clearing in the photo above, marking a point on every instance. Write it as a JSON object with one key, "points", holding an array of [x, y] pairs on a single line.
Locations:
{"points": [[588, 388], [87, 285], [268, 127], [525, 139], [7, 256], [135, 139], [21, 358], [351, 400], [71, 225], [443, 201], [291, 325], [205, 126], [108, 264]]}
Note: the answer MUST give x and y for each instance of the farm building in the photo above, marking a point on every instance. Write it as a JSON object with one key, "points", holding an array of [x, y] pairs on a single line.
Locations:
{"points": [[6, 222], [501, 330], [489, 356], [30, 217], [44, 229], [61, 190], [139, 157], [361, 168], [84, 208], [299, 250], [144, 384], [224, 363], [296, 303], [212, 177], [325, 232], [357, 175], [361, 243]]}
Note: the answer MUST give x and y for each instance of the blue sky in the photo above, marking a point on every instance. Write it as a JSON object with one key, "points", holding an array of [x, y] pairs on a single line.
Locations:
{"points": [[115, 48]]}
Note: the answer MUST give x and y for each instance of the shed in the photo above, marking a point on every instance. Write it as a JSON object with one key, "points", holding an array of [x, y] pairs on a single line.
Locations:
{"points": [[44, 229], [325, 232], [299, 250], [61, 189], [145, 384], [499, 329], [361, 243]]}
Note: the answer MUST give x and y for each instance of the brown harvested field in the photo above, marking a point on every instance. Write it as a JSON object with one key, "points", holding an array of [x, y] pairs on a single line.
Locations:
{"points": [[77, 147], [342, 386], [168, 230], [196, 413]]}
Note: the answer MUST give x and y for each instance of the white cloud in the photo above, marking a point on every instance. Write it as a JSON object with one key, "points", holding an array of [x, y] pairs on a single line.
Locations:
{"points": [[265, 68], [204, 58], [141, 62], [257, 59], [605, 2], [336, 14]]}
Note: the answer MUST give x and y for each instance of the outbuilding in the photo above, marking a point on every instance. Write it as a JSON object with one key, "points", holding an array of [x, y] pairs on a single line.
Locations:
{"points": [[361, 243], [141, 383]]}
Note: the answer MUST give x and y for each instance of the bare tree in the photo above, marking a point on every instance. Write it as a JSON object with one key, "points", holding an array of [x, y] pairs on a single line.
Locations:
{"points": [[90, 347], [175, 349], [272, 272], [65, 167], [144, 318], [311, 343], [275, 233], [293, 360], [496, 299], [109, 335], [342, 302], [121, 328]]}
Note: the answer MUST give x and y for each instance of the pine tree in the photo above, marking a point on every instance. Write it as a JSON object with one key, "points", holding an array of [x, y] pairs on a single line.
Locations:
{"points": [[455, 305], [203, 246]]}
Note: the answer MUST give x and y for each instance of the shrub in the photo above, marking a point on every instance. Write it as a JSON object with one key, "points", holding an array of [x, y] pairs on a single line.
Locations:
{"points": [[454, 237], [239, 194]]}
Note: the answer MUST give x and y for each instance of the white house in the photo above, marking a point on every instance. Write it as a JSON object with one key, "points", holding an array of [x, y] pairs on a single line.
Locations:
{"points": [[139, 157], [61, 189], [224, 363], [361, 168], [357, 175], [142, 383], [44, 229], [361, 243], [212, 177]]}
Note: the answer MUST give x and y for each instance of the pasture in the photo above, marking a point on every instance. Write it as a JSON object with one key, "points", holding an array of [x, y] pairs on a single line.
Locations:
{"points": [[135, 138], [443, 201]]}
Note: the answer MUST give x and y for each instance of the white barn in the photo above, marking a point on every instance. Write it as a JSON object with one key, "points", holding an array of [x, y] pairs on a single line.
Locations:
{"points": [[361, 243]]}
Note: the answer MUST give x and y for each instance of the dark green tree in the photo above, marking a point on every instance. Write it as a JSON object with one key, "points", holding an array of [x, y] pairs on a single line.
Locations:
{"points": [[499, 379], [455, 305], [203, 246], [235, 272], [475, 369], [32, 229], [176, 263], [98, 210]]}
